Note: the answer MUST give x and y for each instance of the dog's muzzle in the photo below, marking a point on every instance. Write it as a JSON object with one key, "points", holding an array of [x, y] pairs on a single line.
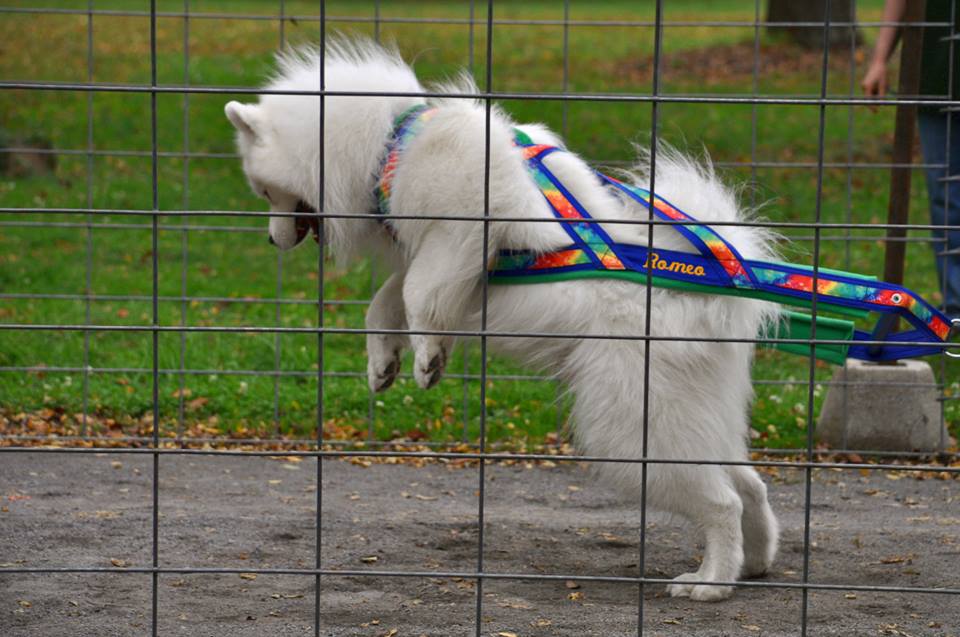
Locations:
{"points": [[305, 223]]}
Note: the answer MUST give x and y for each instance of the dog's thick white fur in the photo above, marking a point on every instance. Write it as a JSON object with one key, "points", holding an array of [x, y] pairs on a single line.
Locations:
{"points": [[699, 392]]}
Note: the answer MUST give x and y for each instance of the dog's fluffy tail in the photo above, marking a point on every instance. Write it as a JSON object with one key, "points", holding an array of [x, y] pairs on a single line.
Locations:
{"points": [[693, 185]]}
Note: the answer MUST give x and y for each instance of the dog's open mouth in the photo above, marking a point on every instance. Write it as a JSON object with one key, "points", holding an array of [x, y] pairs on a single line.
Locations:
{"points": [[305, 224]]}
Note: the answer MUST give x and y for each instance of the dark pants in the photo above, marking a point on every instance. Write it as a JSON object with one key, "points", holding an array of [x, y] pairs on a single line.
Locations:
{"points": [[944, 198]]}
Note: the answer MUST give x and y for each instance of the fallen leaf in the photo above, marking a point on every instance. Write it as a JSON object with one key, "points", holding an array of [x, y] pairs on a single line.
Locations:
{"points": [[504, 633], [571, 584], [196, 403], [118, 563], [370, 559], [671, 621], [575, 596], [248, 576]]}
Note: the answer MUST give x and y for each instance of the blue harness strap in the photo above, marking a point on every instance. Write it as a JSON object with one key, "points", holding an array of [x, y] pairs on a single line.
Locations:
{"points": [[717, 268]]}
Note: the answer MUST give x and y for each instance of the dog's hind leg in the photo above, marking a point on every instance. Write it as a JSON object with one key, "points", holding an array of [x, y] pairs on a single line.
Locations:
{"points": [[439, 284], [386, 312], [704, 495], [760, 529], [607, 418]]}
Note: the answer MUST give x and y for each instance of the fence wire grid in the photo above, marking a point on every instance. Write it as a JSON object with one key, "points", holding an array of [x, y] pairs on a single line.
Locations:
{"points": [[61, 320]]}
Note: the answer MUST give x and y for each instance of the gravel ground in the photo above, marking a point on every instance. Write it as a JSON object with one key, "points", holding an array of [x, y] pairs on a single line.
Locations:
{"points": [[254, 512]]}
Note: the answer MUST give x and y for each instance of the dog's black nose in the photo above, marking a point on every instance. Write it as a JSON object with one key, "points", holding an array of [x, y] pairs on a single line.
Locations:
{"points": [[270, 239]]}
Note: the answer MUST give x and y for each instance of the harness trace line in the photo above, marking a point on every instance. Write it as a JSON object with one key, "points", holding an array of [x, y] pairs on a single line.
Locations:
{"points": [[716, 268]]}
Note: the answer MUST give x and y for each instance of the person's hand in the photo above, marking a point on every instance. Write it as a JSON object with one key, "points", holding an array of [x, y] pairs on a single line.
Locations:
{"points": [[874, 83]]}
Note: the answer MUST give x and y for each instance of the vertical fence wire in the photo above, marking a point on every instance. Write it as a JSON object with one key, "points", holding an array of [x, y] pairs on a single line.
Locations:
{"points": [[155, 333], [848, 208], [484, 292], [278, 306], [558, 393], [371, 396], [950, 113], [185, 233], [812, 369], [88, 262], [321, 254], [648, 309], [755, 89], [466, 346]]}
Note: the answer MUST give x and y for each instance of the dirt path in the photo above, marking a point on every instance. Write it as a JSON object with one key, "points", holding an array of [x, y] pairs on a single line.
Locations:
{"points": [[246, 513]]}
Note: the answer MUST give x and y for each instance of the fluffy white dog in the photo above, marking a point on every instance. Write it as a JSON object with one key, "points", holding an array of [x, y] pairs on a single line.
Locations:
{"points": [[699, 392]]}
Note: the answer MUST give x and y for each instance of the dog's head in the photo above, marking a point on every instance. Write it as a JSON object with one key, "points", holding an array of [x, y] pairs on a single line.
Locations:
{"points": [[274, 175]]}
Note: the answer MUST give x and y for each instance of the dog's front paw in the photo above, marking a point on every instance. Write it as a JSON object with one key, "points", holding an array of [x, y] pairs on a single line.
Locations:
{"points": [[428, 365], [381, 377], [698, 592], [383, 362], [710, 593]]}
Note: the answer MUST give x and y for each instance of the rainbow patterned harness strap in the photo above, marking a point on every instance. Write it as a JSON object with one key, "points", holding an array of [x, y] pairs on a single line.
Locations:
{"points": [[717, 268], [406, 126]]}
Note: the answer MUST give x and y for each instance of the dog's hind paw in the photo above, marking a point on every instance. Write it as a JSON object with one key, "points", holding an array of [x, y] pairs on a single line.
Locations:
{"points": [[698, 592], [755, 569]]}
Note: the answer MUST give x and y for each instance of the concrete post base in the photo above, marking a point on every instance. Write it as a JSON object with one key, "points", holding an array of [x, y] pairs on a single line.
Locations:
{"points": [[883, 407]]}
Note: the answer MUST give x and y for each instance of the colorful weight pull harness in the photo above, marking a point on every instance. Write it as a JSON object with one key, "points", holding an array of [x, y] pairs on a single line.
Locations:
{"points": [[717, 269]]}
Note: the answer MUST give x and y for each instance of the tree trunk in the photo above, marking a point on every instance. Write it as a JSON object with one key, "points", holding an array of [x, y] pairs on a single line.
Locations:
{"points": [[808, 35]]}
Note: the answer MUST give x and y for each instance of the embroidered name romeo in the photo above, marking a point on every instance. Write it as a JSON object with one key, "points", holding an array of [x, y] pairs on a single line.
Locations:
{"points": [[654, 262]]}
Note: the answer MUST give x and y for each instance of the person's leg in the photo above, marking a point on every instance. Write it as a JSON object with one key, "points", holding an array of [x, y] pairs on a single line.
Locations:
{"points": [[944, 199]]}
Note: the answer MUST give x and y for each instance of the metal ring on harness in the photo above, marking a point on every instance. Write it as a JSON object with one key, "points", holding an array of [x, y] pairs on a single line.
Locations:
{"points": [[955, 325]]}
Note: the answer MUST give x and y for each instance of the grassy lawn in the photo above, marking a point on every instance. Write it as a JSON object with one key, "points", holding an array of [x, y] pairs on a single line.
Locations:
{"points": [[232, 276]]}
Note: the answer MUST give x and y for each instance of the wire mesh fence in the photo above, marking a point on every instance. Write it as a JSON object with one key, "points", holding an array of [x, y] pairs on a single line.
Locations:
{"points": [[144, 311]]}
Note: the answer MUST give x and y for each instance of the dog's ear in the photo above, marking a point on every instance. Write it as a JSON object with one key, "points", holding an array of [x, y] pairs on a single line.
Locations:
{"points": [[244, 117]]}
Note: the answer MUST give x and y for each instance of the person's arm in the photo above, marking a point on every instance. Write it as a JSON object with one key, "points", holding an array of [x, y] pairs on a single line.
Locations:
{"points": [[875, 81]]}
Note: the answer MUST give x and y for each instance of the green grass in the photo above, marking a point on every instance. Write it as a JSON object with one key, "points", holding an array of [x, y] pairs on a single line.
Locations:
{"points": [[54, 260]]}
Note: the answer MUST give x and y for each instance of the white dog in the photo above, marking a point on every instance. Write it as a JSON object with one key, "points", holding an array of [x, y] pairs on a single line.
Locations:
{"points": [[699, 392]]}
